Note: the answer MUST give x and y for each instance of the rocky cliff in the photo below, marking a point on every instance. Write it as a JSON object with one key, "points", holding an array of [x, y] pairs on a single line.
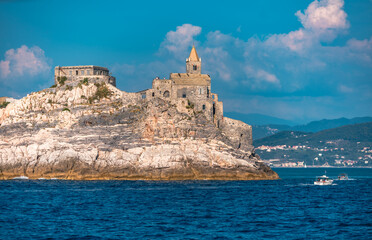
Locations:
{"points": [[95, 131]]}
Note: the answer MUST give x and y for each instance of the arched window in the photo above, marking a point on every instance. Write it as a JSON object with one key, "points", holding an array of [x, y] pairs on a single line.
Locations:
{"points": [[194, 67], [166, 94]]}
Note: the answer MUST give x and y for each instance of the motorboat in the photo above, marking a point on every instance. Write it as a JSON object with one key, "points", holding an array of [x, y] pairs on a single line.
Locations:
{"points": [[323, 180], [20, 178], [343, 176]]}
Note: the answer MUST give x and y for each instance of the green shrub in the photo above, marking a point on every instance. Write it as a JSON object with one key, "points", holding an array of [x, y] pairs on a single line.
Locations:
{"points": [[83, 97], [85, 81], [190, 105], [4, 104], [101, 92], [69, 88], [53, 86], [66, 109], [50, 101], [61, 80], [90, 100]]}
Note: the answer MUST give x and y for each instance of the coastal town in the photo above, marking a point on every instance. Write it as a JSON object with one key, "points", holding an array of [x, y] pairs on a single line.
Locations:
{"points": [[310, 156]]}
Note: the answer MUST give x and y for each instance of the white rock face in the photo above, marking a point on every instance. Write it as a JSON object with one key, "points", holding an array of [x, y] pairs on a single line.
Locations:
{"points": [[68, 132]]}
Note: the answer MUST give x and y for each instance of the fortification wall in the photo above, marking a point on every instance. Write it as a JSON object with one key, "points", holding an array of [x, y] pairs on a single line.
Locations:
{"points": [[78, 73], [162, 88], [239, 133], [107, 79]]}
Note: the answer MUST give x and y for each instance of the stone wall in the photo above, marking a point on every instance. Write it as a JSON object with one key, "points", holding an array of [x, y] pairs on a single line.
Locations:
{"points": [[78, 73], [239, 133], [162, 88], [217, 110]]}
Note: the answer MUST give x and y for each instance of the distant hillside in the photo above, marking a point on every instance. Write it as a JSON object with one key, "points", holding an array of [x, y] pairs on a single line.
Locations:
{"points": [[349, 145], [261, 131], [355, 133], [258, 119], [317, 126], [267, 130]]}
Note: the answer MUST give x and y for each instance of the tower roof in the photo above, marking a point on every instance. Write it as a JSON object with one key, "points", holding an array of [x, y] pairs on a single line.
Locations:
{"points": [[193, 54]]}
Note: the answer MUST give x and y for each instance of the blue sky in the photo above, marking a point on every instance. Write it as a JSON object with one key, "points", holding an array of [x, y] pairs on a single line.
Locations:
{"points": [[295, 59]]}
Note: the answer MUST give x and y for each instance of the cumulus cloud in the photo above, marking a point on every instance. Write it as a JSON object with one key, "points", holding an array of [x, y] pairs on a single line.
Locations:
{"points": [[260, 78], [23, 61], [321, 21], [178, 41], [324, 14], [4, 68]]}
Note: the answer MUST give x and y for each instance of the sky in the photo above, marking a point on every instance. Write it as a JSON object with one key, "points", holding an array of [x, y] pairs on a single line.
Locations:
{"points": [[299, 60]]}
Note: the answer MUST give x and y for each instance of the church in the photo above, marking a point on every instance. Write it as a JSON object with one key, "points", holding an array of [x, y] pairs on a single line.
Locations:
{"points": [[190, 90]]}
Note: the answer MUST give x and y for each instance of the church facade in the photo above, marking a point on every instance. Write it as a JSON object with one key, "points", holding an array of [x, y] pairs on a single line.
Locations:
{"points": [[190, 90]]}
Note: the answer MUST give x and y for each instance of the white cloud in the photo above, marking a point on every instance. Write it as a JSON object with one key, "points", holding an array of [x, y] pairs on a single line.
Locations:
{"points": [[24, 61], [324, 14], [345, 89], [178, 41], [4, 69], [260, 78], [321, 21], [361, 45]]}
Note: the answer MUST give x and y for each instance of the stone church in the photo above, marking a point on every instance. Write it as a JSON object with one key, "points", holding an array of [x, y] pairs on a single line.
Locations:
{"points": [[188, 90]]}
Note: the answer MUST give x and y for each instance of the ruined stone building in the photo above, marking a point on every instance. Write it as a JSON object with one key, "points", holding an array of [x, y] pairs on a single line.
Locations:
{"points": [[188, 90], [78, 73]]}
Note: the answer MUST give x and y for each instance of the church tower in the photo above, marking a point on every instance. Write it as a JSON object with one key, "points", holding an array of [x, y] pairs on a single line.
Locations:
{"points": [[193, 63]]}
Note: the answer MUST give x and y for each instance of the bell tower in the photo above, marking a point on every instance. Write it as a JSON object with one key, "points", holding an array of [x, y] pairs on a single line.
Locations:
{"points": [[193, 62]]}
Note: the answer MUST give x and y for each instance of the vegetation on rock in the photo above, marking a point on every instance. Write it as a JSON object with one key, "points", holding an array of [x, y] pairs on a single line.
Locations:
{"points": [[61, 80], [4, 104]]}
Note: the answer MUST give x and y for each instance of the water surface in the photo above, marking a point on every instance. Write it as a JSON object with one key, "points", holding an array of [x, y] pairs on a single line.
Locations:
{"points": [[290, 208]]}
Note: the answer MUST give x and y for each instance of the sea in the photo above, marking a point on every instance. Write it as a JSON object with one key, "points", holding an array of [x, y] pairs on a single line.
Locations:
{"points": [[289, 208]]}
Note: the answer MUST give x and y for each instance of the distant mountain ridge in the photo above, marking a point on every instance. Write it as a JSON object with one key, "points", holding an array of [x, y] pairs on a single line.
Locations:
{"points": [[258, 119], [361, 132], [316, 126], [264, 125]]}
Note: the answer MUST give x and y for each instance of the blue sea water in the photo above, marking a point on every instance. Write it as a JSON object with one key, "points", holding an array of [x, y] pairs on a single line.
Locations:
{"points": [[290, 208]]}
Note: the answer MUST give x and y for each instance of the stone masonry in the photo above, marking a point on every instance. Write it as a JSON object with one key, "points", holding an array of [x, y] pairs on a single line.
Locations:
{"points": [[191, 91], [78, 73]]}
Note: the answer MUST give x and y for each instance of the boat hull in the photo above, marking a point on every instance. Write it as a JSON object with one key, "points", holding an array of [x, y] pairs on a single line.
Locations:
{"points": [[323, 183]]}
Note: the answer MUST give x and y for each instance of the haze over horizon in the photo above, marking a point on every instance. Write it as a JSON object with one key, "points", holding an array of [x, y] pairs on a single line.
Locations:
{"points": [[295, 60]]}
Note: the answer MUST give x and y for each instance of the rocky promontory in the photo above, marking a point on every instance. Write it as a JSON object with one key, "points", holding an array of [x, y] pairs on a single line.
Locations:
{"points": [[92, 130]]}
